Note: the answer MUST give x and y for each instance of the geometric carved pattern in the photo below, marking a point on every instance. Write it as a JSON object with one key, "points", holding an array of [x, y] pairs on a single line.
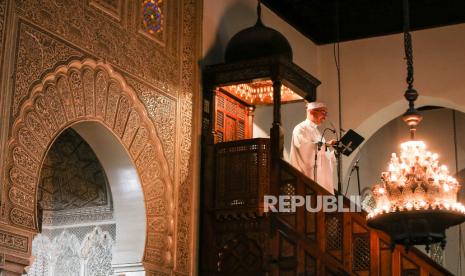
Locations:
{"points": [[361, 252], [3, 5], [333, 232], [71, 175], [189, 87], [91, 29], [43, 53], [110, 7], [287, 189], [240, 256], [171, 67], [162, 110], [66, 101]]}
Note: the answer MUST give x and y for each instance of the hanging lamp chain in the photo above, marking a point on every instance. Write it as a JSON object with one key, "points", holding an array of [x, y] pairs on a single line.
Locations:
{"points": [[411, 117], [408, 44], [259, 13]]}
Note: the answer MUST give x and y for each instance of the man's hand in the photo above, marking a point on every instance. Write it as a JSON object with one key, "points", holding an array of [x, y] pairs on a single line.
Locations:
{"points": [[331, 142]]}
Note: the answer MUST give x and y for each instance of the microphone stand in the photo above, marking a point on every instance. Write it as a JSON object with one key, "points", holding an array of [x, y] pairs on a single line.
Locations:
{"points": [[315, 166], [319, 145], [337, 153], [357, 168]]}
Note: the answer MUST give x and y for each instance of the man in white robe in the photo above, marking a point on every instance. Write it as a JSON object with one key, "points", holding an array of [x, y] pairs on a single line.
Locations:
{"points": [[304, 145]]}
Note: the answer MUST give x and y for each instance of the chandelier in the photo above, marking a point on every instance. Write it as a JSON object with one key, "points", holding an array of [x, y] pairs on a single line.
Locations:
{"points": [[260, 92], [417, 199]]}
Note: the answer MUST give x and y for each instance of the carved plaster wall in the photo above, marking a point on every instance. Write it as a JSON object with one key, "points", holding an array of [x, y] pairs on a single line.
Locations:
{"points": [[143, 89], [89, 91]]}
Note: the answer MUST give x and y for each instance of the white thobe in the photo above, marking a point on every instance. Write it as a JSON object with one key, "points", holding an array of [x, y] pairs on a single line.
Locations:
{"points": [[305, 138]]}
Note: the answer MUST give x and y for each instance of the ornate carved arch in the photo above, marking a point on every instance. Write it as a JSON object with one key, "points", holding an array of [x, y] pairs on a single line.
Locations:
{"points": [[90, 91]]}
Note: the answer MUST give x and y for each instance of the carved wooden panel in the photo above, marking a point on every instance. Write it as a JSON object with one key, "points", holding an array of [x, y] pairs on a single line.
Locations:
{"points": [[361, 258], [231, 119], [240, 256], [242, 174]]}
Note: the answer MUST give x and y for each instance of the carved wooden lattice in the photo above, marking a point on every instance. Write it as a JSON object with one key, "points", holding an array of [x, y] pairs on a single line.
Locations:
{"points": [[310, 265], [242, 173], [361, 252], [240, 256], [231, 119], [288, 189], [334, 232]]}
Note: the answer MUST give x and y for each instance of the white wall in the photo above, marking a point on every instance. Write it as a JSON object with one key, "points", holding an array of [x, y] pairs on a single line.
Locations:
{"points": [[128, 199], [373, 75]]}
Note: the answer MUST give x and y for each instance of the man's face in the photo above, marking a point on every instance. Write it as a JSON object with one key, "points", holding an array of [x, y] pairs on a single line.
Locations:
{"points": [[318, 115]]}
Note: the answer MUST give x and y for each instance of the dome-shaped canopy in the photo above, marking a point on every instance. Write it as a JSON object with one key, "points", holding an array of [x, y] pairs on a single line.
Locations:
{"points": [[258, 41]]}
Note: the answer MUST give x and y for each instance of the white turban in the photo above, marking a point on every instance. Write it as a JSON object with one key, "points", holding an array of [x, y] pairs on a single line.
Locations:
{"points": [[315, 105]]}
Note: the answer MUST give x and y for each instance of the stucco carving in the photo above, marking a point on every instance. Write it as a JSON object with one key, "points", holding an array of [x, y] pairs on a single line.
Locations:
{"points": [[188, 83], [162, 111], [111, 7], [132, 51], [66, 255], [37, 53], [13, 241], [144, 145], [57, 32], [2, 22]]}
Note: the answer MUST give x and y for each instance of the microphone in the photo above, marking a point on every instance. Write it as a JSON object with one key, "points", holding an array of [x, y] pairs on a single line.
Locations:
{"points": [[334, 128], [320, 143]]}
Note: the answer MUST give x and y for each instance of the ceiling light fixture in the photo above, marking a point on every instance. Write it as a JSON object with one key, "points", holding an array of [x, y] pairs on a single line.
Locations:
{"points": [[417, 199]]}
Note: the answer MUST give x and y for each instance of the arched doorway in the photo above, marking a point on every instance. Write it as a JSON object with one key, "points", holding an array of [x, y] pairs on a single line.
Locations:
{"points": [[91, 206], [85, 92]]}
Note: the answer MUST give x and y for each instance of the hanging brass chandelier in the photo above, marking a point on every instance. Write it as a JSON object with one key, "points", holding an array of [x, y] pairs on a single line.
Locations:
{"points": [[417, 199]]}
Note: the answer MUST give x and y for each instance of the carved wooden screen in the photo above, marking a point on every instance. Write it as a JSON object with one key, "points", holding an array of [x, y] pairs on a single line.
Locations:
{"points": [[231, 119]]}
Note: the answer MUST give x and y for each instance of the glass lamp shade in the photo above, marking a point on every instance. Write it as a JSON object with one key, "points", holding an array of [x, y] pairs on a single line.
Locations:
{"points": [[417, 199]]}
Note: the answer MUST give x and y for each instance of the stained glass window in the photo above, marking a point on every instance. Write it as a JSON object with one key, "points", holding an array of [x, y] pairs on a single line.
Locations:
{"points": [[152, 17]]}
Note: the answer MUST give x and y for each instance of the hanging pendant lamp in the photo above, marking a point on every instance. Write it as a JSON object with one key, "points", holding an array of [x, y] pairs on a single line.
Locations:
{"points": [[417, 199]]}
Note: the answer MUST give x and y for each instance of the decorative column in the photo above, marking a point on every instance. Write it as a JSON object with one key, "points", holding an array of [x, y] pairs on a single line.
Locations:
{"points": [[277, 134]]}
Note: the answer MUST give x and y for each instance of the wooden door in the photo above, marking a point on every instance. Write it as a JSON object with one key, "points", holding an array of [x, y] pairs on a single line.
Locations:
{"points": [[231, 119]]}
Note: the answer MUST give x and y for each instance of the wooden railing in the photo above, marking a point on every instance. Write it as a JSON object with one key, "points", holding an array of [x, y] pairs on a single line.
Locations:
{"points": [[338, 243], [240, 239]]}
